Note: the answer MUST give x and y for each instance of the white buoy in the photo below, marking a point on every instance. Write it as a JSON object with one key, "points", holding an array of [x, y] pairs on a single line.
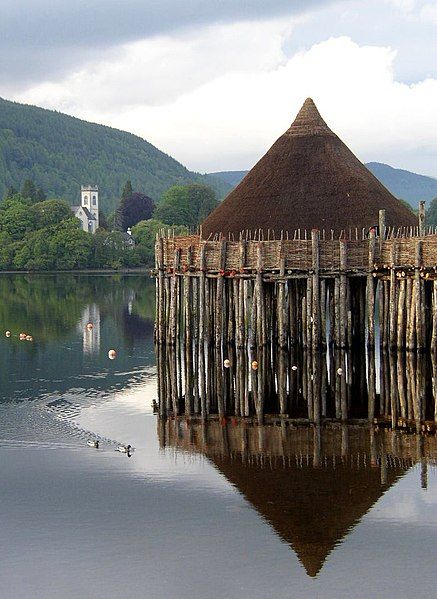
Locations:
{"points": [[294, 368], [8, 333], [254, 365], [339, 371], [112, 354], [227, 363]]}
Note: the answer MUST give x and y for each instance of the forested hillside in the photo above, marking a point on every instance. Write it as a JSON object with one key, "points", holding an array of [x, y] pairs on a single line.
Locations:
{"points": [[60, 153]]}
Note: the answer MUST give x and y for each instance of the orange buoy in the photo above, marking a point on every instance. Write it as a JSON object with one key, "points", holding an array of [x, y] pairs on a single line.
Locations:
{"points": [[22, 336], [112, 354], [254, 365], [89, 326], [8, 333], [227, 363]]}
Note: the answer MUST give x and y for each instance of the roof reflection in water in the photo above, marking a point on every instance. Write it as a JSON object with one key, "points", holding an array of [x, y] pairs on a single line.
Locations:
{"points": [[312, 484]]}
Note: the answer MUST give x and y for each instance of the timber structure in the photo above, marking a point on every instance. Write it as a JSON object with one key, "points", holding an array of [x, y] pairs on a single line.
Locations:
{"points": [[240, 311]]}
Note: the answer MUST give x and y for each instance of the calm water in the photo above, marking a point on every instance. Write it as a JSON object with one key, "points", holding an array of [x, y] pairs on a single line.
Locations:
{"points": [[224, 512]]}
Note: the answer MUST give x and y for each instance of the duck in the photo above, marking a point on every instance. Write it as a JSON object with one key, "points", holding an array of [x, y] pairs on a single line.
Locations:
{"points": [[155, 406], [92, 443], [124, 448]]}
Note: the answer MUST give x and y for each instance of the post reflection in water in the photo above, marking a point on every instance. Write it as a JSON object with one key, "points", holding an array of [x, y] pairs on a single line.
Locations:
{"points": [[312, 440], [312, 484], [396, 389]]}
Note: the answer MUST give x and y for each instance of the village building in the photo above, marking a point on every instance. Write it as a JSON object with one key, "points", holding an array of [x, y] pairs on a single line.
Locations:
{"points": [[310, 252], [88, 210], [308, 179]]}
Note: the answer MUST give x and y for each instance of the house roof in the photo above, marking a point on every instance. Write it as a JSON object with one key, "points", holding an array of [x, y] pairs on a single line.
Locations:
{"points": [[89, 215], [308, 179]]}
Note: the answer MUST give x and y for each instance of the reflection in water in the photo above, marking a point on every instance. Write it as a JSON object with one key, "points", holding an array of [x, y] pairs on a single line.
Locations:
{"points": [[313, 485], [66, 356], [89, 326], [399, 389]]}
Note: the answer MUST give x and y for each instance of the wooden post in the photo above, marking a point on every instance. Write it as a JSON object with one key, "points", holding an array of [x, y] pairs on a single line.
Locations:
{"points": [[434, 318], [342, 294], [422, 204], [420, 333], [282, 312], [370, 296], [381, 227], [316, 316], [401, 314], [411, 314], [393, 296], [203, 319], [160, 304], [188, 337], [323, 308]]}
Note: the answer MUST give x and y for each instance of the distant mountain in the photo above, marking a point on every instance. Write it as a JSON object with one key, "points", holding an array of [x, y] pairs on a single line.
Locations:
{"points": [[231, 177], [60, 153], [402, 184]]}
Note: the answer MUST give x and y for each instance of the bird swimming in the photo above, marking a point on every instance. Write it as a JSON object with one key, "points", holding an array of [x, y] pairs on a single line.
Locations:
{"points": [[124, 448], [92, 443]]}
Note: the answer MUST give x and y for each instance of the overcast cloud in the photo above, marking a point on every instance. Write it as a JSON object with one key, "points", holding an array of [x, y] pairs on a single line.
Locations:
{"points": [[214, 83]]}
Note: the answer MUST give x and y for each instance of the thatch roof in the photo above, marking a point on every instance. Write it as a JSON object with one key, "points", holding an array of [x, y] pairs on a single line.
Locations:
{"points": [[311, 509], [308, 179], [312, 505]]}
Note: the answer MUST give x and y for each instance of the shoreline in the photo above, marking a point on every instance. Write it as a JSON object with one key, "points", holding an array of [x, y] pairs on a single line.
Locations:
{"points": [[86, 271]]}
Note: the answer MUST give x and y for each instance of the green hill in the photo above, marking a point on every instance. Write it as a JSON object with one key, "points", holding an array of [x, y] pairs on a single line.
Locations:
{"points": [[402, 184], [60, 153]]}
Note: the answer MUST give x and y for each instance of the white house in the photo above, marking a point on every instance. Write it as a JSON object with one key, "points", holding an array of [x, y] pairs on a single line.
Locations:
{"points": [[88, 210]]}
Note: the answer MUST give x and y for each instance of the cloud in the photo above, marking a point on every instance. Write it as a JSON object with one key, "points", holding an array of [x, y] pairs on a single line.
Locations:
{"points": [[48, 38], [229, 121], [158, 71]]}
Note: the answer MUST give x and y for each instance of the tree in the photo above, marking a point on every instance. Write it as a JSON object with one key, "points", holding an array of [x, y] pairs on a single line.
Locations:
{"points": [[144, 234], [135, 208], [16, 217], [10, 192], [103, 221], [29, 190], [40, 196], [51, 212], [186, 204], [431, 213], [111, 250], [173, 208], [127, 191]]}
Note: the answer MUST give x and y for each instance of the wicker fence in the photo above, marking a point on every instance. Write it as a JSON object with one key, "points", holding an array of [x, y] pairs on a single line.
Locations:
{"points": [[298, 255]]}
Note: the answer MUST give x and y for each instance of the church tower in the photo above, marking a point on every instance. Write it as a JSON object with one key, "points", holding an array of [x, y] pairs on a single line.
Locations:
{"points": [[90, 201]]}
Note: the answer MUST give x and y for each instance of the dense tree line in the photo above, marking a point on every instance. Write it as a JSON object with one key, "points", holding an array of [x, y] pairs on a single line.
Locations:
{"points": [[39, 234], [60, 153]]}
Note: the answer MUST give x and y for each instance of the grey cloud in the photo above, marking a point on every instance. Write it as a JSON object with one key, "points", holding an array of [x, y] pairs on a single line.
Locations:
{"points": [[43, 38]]}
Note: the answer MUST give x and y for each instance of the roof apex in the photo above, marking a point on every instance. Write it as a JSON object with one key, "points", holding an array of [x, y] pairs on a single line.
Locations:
{"points": [[308, 121]]}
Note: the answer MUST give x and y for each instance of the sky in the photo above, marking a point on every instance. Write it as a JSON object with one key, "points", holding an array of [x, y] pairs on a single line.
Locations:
{"points": [[215, 82]]}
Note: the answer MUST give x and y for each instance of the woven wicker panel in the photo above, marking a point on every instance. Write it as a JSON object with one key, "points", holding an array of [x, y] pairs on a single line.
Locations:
{"points": [[297, 253]]}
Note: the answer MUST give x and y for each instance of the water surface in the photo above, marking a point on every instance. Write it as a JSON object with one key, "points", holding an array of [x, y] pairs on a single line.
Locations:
{"points": [[219, 511]]}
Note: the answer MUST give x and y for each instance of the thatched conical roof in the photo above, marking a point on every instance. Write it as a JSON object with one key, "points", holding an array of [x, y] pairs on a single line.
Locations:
{"points": [[311, 509], [308, 179]]}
